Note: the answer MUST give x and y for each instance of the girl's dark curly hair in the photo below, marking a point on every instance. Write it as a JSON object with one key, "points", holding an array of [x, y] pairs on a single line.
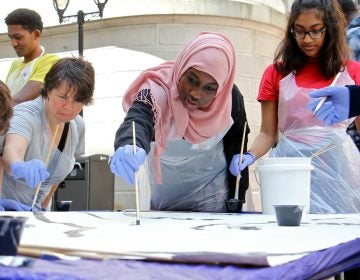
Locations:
{"points": [[334, 53], [6, 109]]}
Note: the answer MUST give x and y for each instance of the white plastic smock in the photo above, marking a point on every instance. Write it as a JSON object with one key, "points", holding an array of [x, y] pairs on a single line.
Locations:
{"points": [[194, 177], [335, 184]]}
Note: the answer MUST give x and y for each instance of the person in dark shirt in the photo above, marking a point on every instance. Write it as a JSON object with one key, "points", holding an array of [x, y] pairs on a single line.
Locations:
{"points": [[189, 121], [353, 38], [342, 103]]}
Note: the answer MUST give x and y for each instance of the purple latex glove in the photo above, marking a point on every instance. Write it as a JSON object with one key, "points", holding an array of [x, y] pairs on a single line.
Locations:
{"points": [[12, 205], [336, 107], [124, 163], [247, 159], [33, 172]]}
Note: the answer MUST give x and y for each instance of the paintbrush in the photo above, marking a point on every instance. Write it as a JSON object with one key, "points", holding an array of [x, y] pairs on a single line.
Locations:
{"points": [[234, 205], [323, 99], [136, 180], [240, 161], [323, 150], [46, 163]]}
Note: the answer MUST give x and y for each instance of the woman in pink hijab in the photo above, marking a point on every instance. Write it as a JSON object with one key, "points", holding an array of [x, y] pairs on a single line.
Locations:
{"points": [[189, 118]]}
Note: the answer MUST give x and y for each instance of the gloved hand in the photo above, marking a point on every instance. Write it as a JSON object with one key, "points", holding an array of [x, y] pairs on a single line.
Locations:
{"points": [[336, 107], [32, 171], [124, 163], [12, 205], [247, 159]]}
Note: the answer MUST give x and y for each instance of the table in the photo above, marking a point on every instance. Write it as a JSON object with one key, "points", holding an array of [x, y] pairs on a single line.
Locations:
{"points": [[182, 245]]}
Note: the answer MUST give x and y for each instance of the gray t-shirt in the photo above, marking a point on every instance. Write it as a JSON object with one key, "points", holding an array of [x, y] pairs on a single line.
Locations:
{"points": [[30, 121]]}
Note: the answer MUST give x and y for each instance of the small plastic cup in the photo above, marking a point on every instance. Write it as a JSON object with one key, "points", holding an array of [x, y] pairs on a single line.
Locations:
{"points": [[288, 215], [11, 229]]}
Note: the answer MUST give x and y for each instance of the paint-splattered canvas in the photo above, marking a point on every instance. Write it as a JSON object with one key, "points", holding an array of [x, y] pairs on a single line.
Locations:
{"points": [[251, 239]]}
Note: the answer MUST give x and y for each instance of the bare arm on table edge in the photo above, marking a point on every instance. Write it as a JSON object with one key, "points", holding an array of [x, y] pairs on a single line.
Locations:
{"points": [[29, 91], [267, 136]]}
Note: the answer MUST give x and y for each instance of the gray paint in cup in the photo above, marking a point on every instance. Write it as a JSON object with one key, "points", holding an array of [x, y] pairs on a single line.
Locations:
{"points": [[288, 215]]}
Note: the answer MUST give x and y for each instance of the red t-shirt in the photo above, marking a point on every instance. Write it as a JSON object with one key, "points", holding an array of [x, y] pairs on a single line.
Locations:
{"points": [[308, 77]]}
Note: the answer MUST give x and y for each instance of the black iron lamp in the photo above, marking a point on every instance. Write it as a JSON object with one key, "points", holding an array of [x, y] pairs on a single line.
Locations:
{"points": [[60, 7]]}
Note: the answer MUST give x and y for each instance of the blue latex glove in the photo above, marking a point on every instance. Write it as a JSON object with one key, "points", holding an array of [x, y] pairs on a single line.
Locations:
{"points": [[336, 107], [12, 205], [124, 163], [33, 172], [247, 159]]}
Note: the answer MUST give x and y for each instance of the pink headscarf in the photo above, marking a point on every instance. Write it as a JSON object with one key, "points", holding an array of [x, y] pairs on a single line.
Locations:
{"points": [[211, 53]]}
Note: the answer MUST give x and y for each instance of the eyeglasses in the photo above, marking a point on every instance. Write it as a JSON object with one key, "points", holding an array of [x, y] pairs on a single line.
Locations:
{"points": [[314, 34]]}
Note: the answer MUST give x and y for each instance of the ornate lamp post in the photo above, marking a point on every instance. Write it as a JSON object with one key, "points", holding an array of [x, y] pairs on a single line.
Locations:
{"points": [[60, 7]]}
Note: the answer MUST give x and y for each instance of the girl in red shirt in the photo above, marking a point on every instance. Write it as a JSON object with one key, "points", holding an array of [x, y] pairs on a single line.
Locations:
{"points": [[310, 56]]}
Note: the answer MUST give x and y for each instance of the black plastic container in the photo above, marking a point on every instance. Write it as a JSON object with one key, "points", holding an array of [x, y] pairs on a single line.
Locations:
{"points": [[234, 205], [63, 206]]}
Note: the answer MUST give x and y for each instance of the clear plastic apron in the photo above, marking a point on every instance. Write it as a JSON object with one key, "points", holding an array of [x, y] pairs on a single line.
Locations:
{"points": [[17, 79], [335, 184], [194, 177]]}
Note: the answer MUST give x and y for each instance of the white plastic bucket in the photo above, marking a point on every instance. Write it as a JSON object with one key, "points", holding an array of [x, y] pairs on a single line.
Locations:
{"points": [[284, 180]]}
